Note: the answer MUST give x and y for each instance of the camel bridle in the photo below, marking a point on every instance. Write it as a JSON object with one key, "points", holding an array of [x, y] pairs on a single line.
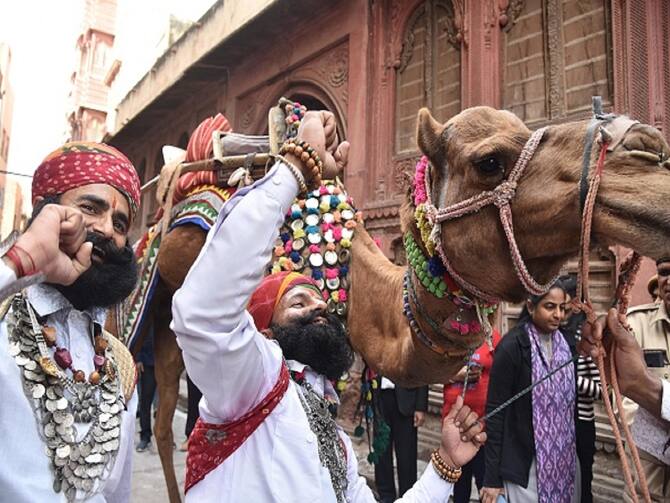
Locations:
{"points": [[501, 197], [503, 194], [589, 184]]}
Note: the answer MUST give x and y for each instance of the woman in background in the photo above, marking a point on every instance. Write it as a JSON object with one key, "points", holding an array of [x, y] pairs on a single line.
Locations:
{"points": [[530, 453]]}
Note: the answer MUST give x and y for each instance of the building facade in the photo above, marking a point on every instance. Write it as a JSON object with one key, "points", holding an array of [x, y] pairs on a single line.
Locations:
{"points": [[6, 111], [375, 63], [88, 98], [13, 217]]}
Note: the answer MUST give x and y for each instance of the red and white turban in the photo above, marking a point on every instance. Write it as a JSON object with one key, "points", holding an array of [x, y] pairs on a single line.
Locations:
{"points": [[265, 298], [76, 164]]}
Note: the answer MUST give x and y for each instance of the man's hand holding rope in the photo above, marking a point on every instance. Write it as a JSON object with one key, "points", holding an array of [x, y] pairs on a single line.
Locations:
{"points": [[636, 382]]}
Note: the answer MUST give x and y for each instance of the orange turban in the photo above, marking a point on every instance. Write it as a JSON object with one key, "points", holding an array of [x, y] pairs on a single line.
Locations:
{"points": [[265, 298]]}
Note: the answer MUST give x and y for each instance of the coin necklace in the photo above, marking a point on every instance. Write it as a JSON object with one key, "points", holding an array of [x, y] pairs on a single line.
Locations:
{"points": [[330, 446], [78, 466]]}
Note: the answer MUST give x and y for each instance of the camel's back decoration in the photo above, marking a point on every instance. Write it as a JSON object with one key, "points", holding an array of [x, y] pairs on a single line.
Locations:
{"points": [[196, 199]]}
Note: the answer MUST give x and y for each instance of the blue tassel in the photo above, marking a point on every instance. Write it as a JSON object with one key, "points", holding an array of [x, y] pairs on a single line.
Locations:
{"points": [[285, 236], [317, 273], [295, 256], [343, 271], [436, 267]]}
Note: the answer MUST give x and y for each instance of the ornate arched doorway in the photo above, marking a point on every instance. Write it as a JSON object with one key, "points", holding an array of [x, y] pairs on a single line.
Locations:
{"points": [[314, 98]]}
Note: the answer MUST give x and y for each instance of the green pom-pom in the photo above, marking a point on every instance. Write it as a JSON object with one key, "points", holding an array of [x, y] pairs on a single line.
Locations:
{"points": [[358, 431]]}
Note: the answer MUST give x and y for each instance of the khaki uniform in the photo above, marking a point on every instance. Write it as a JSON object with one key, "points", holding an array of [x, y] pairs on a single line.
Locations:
{"points": [[651, 325]]}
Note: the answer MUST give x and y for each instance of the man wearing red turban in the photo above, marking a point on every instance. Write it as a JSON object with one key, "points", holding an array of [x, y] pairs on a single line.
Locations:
{"points": [[264, 356], [66, 385]]}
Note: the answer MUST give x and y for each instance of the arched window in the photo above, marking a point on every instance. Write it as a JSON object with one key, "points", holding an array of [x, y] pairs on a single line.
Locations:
{"points": [[429, 73], [557, 54]]}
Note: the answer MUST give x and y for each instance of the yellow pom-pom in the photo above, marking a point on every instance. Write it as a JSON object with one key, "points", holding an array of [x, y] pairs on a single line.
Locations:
{"points": [[368, 396], [335, 296], [298, 233], [345, 243], [324, 207], [374, 384]]}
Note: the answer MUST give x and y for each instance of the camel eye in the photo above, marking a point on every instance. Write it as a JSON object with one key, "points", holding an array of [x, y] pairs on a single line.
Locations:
{"points": [[489, 166]]}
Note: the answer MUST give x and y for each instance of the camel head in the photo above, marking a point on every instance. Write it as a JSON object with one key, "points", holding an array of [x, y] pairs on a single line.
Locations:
{"points": [[475, 151]]}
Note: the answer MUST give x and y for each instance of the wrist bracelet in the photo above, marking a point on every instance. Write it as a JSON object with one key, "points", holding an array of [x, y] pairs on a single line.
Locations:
{"points": [[304, 152], [13, 256], [33, 269], [449, 473], [296, 174]]}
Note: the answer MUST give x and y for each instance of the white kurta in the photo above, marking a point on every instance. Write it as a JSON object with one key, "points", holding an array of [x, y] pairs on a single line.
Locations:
{"points": [[25, 470], [235, 366]]}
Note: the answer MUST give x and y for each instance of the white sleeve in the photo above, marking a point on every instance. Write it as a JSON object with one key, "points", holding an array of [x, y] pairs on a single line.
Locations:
{"points": [[430, 488], [665, 400], [226, 357]]}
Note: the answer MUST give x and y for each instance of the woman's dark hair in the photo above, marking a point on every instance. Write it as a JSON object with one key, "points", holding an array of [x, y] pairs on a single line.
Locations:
{"points": [[525, 316]]}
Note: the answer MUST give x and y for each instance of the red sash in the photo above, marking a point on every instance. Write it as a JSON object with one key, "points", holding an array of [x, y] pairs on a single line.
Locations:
{"points": [[211, 444]]}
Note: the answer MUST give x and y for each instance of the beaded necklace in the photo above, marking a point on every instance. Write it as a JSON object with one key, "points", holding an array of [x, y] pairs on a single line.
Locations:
{"points": [[433, 275]]}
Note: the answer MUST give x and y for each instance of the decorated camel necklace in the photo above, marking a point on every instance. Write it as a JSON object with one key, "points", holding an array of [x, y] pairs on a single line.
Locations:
{"points": [[62, 403]]}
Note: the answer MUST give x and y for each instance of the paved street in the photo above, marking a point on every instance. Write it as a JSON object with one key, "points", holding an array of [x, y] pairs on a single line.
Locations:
{"points": [[148, 482]]}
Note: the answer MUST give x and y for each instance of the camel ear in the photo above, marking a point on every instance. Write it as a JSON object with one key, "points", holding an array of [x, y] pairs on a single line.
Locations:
{"points": [[429, 134]]}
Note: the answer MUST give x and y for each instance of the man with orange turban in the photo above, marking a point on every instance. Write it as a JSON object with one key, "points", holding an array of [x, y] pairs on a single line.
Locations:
{"points": [[263, 356], [66, 387]]}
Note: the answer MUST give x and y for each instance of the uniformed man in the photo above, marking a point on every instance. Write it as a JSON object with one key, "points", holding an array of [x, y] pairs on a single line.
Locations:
{"points": [[651, 325]]}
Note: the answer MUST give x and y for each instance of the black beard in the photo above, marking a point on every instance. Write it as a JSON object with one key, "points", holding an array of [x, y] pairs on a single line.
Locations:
{"points": [[103, 284], [323, 346]]}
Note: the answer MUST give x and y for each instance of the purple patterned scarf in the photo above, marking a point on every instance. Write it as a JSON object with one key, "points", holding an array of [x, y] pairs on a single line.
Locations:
{"points": [[553, 419]]}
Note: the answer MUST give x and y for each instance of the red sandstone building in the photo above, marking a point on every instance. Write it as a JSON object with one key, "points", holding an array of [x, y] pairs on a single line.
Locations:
{"points": [[88, 108], [375, 63]]}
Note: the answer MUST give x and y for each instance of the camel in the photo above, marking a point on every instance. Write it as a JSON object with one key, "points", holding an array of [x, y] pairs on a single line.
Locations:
{"points": [[473, 152]]}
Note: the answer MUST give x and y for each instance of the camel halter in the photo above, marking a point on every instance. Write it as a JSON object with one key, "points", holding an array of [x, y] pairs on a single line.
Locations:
{"points": [[501, 197]]}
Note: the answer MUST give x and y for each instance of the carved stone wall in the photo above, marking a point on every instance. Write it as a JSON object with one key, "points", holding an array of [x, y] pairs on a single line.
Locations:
{"points": [[324, 76]]}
